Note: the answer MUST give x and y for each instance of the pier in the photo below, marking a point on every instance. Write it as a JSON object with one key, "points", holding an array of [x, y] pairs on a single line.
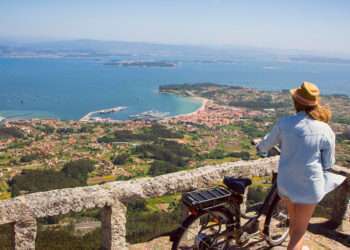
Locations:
{"points": [[89, 116]]}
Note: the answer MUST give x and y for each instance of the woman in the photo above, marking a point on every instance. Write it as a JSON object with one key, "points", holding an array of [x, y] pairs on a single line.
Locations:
{"points": [[307, 151]]}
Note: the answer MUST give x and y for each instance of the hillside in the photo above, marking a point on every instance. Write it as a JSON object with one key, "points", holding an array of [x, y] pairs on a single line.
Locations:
{"points": [[40, 155]]}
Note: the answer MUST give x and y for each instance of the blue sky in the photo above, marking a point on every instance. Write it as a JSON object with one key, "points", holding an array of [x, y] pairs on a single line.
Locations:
{"points": [[317, 25]]}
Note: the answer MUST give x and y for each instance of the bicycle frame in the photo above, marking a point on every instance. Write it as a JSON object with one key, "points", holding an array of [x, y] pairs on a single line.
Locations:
{"points": [[269, 199], [236, 230]]}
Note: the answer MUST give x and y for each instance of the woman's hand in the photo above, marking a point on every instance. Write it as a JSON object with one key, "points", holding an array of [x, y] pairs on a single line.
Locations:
{"points": [[256, 141]]}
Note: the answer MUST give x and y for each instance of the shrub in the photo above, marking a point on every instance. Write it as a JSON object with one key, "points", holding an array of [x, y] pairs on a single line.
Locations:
{"points": [[169, 151], [123, 178], [243, 155], [86, 129], [65, 130], [106, 139], [252, 131], [256, 194], [120, 159], [154, 133], [137, 205], [45, 128], [139, 228], [216, 154], [65, 238], [29, 158]]}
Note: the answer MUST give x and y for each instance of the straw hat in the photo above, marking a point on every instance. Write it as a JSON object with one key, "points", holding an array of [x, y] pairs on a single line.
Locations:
{"points": [[308, 94]]}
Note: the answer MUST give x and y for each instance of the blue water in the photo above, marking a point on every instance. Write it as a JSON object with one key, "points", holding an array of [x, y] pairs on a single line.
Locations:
{"points": [[70, 88]]}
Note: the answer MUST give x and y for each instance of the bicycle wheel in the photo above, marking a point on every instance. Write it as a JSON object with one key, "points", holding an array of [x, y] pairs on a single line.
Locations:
{"points": [[276, 226], [204, 231]]}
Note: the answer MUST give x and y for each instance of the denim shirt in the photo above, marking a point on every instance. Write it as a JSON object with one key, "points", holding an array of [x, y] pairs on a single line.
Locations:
{"points": [[307, 153]]}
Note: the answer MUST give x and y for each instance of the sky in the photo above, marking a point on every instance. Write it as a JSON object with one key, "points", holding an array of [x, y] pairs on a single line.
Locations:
{"points": [[312, 25]]}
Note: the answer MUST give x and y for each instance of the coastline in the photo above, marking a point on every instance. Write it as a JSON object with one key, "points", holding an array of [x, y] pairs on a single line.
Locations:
{"points": [[90, 116], [204, 103]]}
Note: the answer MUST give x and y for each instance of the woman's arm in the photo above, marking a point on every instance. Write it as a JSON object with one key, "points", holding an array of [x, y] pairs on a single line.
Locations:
{"points": [[271, 139], [328, 151]]}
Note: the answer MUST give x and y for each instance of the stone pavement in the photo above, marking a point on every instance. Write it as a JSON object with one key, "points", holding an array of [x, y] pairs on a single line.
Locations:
{"points": [[312, 240]]}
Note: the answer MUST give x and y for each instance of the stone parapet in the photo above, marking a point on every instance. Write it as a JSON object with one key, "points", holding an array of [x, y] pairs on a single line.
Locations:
{"points": [[23, 211]]}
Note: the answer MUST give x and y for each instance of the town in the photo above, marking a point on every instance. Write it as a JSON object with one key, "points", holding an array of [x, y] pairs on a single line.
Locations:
{"points": [[44, 154]]}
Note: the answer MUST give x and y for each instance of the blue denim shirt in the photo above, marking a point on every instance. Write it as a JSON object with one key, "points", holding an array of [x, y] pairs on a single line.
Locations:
{"points": [[307, 152]]}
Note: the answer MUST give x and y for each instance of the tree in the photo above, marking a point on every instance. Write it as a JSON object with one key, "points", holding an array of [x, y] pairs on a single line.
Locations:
{"points": [[73, 174], [162, 167], [45, 128], [32, 181], [78, 169]]}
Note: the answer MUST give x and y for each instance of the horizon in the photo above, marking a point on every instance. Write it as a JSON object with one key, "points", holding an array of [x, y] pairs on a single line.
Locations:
{"points": [[310, 27], [225, 47]]}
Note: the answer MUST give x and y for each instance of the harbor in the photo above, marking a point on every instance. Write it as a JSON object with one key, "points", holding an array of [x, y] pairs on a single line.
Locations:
{"points": [[92, 116], [151, 115]]}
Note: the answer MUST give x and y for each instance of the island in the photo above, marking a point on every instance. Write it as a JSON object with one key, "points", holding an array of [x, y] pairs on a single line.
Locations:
{"points": [[142, 64]]}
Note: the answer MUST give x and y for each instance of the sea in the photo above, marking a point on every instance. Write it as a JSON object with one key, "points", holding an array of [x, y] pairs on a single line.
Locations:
{"points": [[67, 89]]}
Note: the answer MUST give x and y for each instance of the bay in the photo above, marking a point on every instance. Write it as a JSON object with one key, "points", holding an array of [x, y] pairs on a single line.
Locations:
{"points": [[70, 88]]}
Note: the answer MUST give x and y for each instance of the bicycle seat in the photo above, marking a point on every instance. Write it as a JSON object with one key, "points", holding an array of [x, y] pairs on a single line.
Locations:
{"points": [[237, 184]]}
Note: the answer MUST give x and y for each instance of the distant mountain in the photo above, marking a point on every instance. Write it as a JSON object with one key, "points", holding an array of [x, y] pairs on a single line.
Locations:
{"points": [[319, 59], [135, 48], [89, 47]]}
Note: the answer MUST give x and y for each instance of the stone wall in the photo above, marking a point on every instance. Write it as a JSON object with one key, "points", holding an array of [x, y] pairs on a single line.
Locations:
{"points": [[23, 211]]}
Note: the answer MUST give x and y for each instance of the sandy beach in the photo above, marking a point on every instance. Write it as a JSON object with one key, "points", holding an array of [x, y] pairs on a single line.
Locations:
{"points": [[200, 109]]}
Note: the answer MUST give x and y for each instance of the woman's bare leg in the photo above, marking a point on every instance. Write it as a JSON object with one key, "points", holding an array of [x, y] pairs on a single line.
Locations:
{"points": [[291, 214], [302, 216]]}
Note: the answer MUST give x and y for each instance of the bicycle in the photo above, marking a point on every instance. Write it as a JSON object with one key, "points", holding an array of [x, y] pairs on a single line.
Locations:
{"points": [[215, 217]]}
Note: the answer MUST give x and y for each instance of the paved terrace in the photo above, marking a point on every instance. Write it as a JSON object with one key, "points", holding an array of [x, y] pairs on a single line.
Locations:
{"points": [[23, 211]]}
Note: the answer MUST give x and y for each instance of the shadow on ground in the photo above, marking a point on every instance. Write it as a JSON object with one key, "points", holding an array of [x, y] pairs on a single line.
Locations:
{"points": [[331, 231]]}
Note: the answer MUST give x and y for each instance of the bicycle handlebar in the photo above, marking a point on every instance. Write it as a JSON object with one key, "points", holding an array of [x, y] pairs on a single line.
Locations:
{"points": [[275, 148]]}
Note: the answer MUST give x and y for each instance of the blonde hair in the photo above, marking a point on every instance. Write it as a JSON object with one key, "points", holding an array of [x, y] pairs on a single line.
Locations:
{"points": [[318, 112]]}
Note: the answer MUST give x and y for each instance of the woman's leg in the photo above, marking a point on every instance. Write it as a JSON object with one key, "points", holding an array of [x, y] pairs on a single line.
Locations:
{"points": [[302, 215], [291, 214]]}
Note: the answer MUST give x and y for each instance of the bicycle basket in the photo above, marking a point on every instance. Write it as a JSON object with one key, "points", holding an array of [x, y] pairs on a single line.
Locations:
{"points": [[202, 199]]}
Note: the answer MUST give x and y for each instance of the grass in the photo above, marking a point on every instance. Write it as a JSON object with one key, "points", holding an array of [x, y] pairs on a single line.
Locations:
{"points": [[152, 204], [139, 170], [220, 161], [100, 179], [4, 158], [4, 191], [233, 127]]}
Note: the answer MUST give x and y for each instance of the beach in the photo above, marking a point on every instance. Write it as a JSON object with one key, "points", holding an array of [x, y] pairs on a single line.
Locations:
{"points": [[202, 108]]}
